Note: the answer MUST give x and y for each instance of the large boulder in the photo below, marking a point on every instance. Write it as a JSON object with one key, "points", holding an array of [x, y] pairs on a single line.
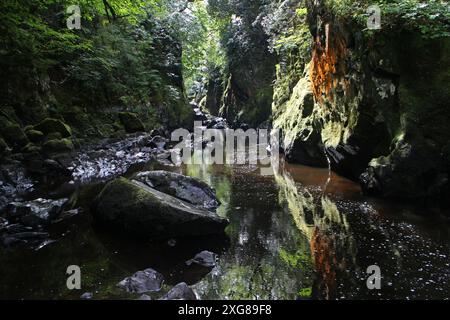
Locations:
{"points": [[182, 187], [131, 122], [50, 125], [134, 208]]}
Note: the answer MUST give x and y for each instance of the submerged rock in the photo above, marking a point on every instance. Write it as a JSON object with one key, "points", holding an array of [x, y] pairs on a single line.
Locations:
{"points": [[182, 187], [142, 281], [180, 292], [134, 208], [205, 259]]}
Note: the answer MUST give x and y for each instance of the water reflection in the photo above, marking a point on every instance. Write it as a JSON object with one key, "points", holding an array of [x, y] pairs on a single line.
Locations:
{"points": [[303, 233], [308, 233]]}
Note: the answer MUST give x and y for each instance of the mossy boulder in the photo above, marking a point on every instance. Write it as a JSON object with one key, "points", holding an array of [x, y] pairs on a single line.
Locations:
{"points": [[58, 146], [31, 148], [14, 136], [34, 135], [131, 122], [50, 125], [53, 136], [133, 208]]}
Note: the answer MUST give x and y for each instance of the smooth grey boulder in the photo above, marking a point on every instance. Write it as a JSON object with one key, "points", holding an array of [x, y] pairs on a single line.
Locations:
{"points": [[180, 292], [142, 281], [182, 187], [138, 210], [205, 259]]}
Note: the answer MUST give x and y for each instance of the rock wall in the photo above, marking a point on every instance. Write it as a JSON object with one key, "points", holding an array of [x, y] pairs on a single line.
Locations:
{"points": [[375, 108]]}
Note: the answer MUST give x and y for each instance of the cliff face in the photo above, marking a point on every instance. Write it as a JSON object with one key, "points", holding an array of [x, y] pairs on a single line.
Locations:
{"points": [[375, 107]]}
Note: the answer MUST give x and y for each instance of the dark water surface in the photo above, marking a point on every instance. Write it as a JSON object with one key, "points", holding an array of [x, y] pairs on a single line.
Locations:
{"points": [[302, 234]]}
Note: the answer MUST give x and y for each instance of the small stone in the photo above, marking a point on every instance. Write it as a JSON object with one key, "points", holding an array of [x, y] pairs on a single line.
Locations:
{"points": [[205, 258], [142, 281]]}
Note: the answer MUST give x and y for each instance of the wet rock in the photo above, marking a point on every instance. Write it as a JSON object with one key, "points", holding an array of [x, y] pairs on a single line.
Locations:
{"points": [[182, 187], [111, 158], [50, 125], [148, 280], [138, 210], [217, 123], [158, 142], [180, 292], [131, 122], [58, 146], [205, 259], [87, 296], [34, 213], [14, 183]]}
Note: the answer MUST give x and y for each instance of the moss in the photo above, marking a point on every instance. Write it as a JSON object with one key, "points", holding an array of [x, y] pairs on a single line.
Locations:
{"points": [[58, 146], [31, 148], [131, 122], [34, 135], [50, 125]]}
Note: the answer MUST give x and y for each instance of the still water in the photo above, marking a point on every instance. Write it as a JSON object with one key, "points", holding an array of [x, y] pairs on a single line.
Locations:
{"points": [[303, 233]]}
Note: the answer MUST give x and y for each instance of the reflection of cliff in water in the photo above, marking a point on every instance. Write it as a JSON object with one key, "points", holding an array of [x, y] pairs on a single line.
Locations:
{"points": [[347, 234], [332, 246]]}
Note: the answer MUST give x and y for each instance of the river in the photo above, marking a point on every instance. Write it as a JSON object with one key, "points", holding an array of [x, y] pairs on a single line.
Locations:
{"points": [[303, 233]]}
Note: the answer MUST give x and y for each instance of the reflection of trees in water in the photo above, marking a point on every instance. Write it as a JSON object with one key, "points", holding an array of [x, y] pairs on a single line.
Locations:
{"points": [[329, 234], [268, 258]]}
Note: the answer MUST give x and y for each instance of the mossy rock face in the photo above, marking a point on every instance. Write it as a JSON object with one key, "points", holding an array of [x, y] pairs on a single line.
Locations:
{"points": [[50, 125], [131, 122], [58, 146], [34, 135], [14, 136]]}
